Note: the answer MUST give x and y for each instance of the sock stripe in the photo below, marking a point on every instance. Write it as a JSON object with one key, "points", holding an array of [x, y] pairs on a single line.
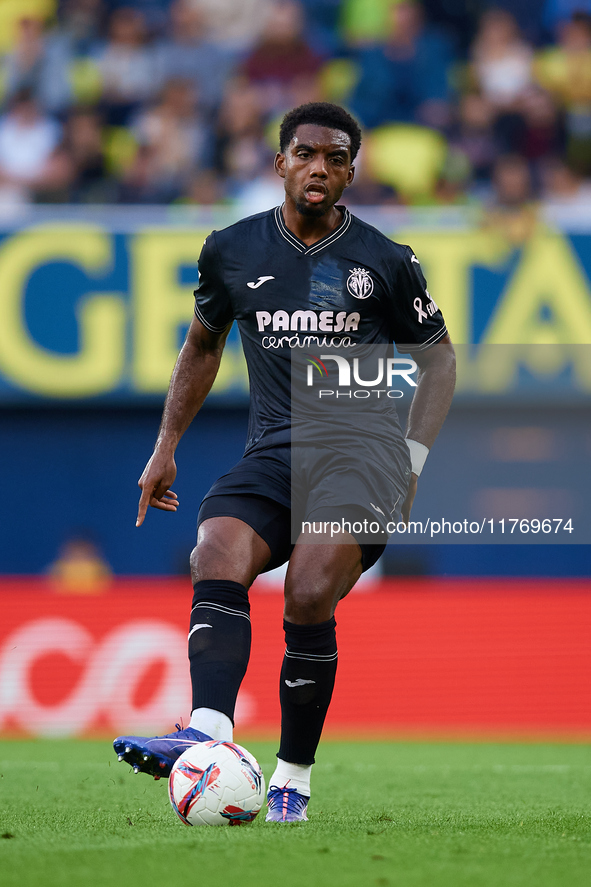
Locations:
{"points": [[210, 605], [328, 657]]}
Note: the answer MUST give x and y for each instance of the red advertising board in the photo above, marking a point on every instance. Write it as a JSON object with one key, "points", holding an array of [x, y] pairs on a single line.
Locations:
{"points": [[432, 657]]}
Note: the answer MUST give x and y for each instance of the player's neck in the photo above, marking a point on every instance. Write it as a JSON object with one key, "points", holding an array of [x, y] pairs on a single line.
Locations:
{"points": [[310, 229]]}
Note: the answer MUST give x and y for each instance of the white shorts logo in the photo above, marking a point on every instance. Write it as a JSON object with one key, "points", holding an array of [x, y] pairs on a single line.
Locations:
{"points": [[359, 283]]}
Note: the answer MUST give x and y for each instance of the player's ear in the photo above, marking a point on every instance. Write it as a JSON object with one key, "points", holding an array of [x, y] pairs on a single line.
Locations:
{"points": [[350, 176], [280, 165]]}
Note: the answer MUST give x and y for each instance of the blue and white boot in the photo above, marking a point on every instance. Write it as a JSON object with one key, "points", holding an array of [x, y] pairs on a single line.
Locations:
{"points": [[156, 755], [286, 805]]}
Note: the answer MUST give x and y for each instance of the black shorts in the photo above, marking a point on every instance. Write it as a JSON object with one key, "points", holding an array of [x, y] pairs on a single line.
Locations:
{"points": [[327, 488]]}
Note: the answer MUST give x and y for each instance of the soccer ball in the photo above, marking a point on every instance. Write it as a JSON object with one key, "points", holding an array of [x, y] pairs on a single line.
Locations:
{"points": [[216, 783]]}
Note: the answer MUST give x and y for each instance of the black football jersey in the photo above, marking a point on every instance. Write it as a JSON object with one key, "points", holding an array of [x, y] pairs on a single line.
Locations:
{"points": [[354, 287]]}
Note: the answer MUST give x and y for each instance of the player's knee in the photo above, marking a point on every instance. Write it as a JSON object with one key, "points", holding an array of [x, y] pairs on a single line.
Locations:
{"points": [[308, 606], [220, 555], [208, 557], [195, 562]]}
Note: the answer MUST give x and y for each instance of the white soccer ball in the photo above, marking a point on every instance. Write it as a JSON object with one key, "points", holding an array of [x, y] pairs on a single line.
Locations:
{"points": [[216, 783]]}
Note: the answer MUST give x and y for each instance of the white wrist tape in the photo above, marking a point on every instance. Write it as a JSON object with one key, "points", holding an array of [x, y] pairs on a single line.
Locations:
{"points": [[418, 455]]}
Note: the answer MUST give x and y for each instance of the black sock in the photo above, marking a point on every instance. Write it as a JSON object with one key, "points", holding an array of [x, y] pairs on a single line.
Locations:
{"points": [[219, 643], [307, 680]]}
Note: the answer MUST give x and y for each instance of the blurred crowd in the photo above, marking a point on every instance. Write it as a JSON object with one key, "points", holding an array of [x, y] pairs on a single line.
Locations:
{"points": [[179, 101]]}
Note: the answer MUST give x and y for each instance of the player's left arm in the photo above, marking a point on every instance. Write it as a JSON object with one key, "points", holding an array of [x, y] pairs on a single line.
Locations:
{"points": [[430, 404]]}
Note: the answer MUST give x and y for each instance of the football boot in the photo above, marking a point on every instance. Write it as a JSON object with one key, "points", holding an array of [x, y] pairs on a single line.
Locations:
{"points": [[156, 755], [286, 805]]}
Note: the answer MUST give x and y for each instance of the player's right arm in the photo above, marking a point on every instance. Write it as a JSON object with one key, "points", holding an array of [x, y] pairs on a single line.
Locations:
{"points": [[192, 378], [419, 329]]}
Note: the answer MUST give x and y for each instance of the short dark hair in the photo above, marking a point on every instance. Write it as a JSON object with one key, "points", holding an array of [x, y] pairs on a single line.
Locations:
{"points": [[320, 114]]}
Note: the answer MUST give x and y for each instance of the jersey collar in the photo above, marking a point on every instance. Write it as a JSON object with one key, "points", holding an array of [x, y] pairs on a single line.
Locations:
{"points": [[320, 244]]}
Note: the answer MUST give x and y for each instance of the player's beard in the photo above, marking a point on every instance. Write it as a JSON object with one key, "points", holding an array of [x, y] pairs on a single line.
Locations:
{"points": [[314, 211]]}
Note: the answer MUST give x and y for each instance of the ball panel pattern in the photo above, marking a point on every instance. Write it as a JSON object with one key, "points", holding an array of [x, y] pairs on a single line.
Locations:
{"points": [[216, 783]]}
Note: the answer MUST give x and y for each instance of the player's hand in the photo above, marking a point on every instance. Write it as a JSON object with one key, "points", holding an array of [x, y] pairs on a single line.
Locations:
{"points": [[410, 497], [154, 483]]}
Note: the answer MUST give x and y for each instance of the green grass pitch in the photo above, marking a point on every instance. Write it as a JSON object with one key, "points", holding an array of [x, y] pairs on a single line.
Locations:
{"points": [[399, 813]]}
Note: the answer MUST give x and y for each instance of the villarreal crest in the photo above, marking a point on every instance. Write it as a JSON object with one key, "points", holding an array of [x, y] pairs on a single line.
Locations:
{"points": [[359, 283]]}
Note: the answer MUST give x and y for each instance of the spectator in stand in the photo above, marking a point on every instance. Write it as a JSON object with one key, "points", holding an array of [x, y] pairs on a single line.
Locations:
{"points": [[176, 138], [528, 14], [366, 190], [80, 568], [303, 90], [241, 150], [543, 134], [501, 69], [79, 25], [73, 45], [135, 185], [83, 144], [565, 72], [38, 65], [127, 67], [563, 187], [154, 12], [512, 210], [512, 184], [406, 79], [28, 142], [205, 189], [452, 187], [322, 25], [282, 59], [234, 26], [474, 136], [501, 60], [186, 52], [259, 194], [12, 11], [458, 19], [556, 12]]}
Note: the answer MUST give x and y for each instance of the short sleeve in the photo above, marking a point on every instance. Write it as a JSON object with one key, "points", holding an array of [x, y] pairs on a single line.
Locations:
{"points": [[213, 306], [416, 321]]}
